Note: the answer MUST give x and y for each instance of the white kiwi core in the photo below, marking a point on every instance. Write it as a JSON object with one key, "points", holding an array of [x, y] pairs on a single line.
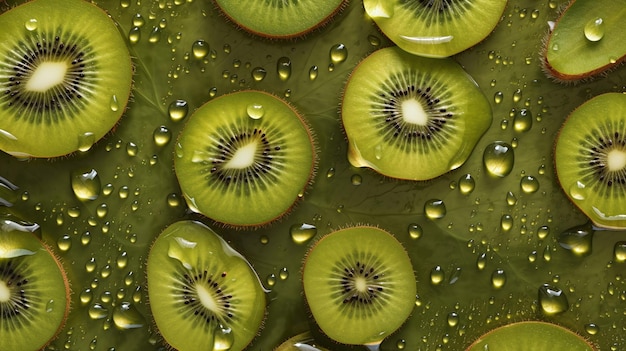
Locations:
{"points": [[243, 157], [5, 292], [360, 284], [206, 298], [413, 112], [616, 160], [46, 76]]}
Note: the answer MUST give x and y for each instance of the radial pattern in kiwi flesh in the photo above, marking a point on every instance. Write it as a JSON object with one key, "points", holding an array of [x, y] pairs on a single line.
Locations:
{"points": [[436, 28], [280, 18], [203, 294], [590, 159], [412, 117], [34, 292], [244, 159], [359, 284], [65, 77]]}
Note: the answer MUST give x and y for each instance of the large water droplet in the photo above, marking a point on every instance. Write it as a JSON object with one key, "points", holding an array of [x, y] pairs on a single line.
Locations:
{"points": [[86, 184], [577, 239], [86, 141], [498, 159], [283, 67], [338, 53], [594, 29], [435, 209], [179, 249], [437, 275], [578, 191], [498, 278], [31, 24], [162, 135], [255, 111], [97, 311], [529, 184], [178, 110], [258, 74], [301, 233], [523, 120], [619, 251], [134, 35], [200, 49], [466, 184], [552, 300], [126, 316], [223, 338]]}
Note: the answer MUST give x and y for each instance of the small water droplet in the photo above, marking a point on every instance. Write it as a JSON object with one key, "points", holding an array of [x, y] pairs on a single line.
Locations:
{"points": [[498, 278], [155, 35], [436, 275], [86, 184], [97, 311], [271, 280], [85, 238], [467, 184], [415, 231], [594, 29], [517, 95], [498, 159], [552, 300], [511, 199], [453, 319], [592, 328], [284, 273], [435, 209], [86, 141], [132, 149], [91, 265], [200, 49], [578, 239], [529, 184], [258, 74], [64, 242], [85, 296], [506, 222], [283, 68], [523, 120], [481, 261], [301, 233], [356, 179], [619, 251], [138, 20], [31, 24], [400, 344], [126, 316], [178, 110], [313, 72], [338, 53], [498, 97], [255, 111], [162, 135], [543, 232], [122, 260]]}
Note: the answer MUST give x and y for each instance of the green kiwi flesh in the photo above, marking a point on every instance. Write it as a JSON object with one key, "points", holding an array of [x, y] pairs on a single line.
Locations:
{"points": [[590, 159], [243, 159], [412, 117], [203, 294], [301, 342], [531, 335], [359, 284], [587, 39], [34, 291], [280, 18], [65, 77], [435, 28]]}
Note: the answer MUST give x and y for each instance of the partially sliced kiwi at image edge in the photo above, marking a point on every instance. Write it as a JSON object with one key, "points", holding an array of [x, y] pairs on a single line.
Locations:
{"points": [[301, 342], [531, 335], [359, 284], [203, 294], [280, 19], [65, 77], [412, 117], [436, 28], [34, 292], [590, 159], [587, 40], [244, 159]]}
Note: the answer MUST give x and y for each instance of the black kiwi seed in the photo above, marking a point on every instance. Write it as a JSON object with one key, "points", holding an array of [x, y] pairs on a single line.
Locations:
{"points": [[596, 157], [188, 293], [20, 301]]}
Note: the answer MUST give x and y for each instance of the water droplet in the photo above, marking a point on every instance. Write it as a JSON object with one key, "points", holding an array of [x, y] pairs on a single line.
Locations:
{"points": [[132, 149], [455, 276], [126, 316], [511, 199], [122, 260], [400, 344], [85, 238], [498, 97], [523, 120], [223, 339], [466, 184], [85, 296], [434, 209], [155, 35], [178, 110], [301, 233], [86, 184], [174, 200], [498, 278], [330, 173], [506, 222], [578, 191], [592, 328], [114, 105], [415, 231], [64, 242], [284, 273], [498, 159], [31, 24], [373, 40], [529, 184], [138, 20], [481, 261], [577, 239], [379, 8], [50, 306], [271, 280], [86, 141], [517, 95], [255, 111], [619, 251], [200, 49], [313, 72], [258, 74], [378, 151], [90, 266], [356, 179], [543, 232], [552, 300], [97, 311], [283, 67], [162, 135], [594, 29], [453, 319], [338, 53], [102, 210], [437, 275]]}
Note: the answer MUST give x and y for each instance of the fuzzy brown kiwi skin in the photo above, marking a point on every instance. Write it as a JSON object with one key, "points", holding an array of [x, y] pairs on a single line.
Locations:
{"points": [[569, 79], [299, 35], [312, 175], [68, 290]]}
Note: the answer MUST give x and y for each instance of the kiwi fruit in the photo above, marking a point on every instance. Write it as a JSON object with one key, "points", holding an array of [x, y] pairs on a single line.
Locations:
{"points": [[412, 117], [280, 19], [590, 159], [359, 284], [587, 40], [531, 335], [301, 342], [65, 77], [435, 28], [243, 159], [34, 291], [203, 294]]}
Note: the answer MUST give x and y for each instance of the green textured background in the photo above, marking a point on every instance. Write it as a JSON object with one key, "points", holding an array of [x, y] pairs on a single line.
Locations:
{"points": [[505, 62]]}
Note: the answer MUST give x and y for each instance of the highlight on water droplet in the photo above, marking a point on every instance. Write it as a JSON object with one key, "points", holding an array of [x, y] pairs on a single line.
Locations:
{"points": [[437, 275], [552, 300], [313, 72], [498, 159], [86, 184], [415, 231], [31, 24], [498, 278], [338, 53], [578, 191], [435, 209], [283, 68], [178, 110], [200, 49], [529, 184], [255, 111], [466, 184], [162, 135], [258, 74], [523, 120], [594, 29], [134, 35], [302, 232]]}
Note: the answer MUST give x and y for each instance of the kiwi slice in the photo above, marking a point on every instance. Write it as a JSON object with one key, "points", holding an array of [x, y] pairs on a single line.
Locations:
{"points": [[590, 159], [65, 77], [587, 39], [412, 117], [301, 342], [34, 291], [203, 294], [280, 18], [243, 159], [359, 284], [531, 335], [435, 28]]}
